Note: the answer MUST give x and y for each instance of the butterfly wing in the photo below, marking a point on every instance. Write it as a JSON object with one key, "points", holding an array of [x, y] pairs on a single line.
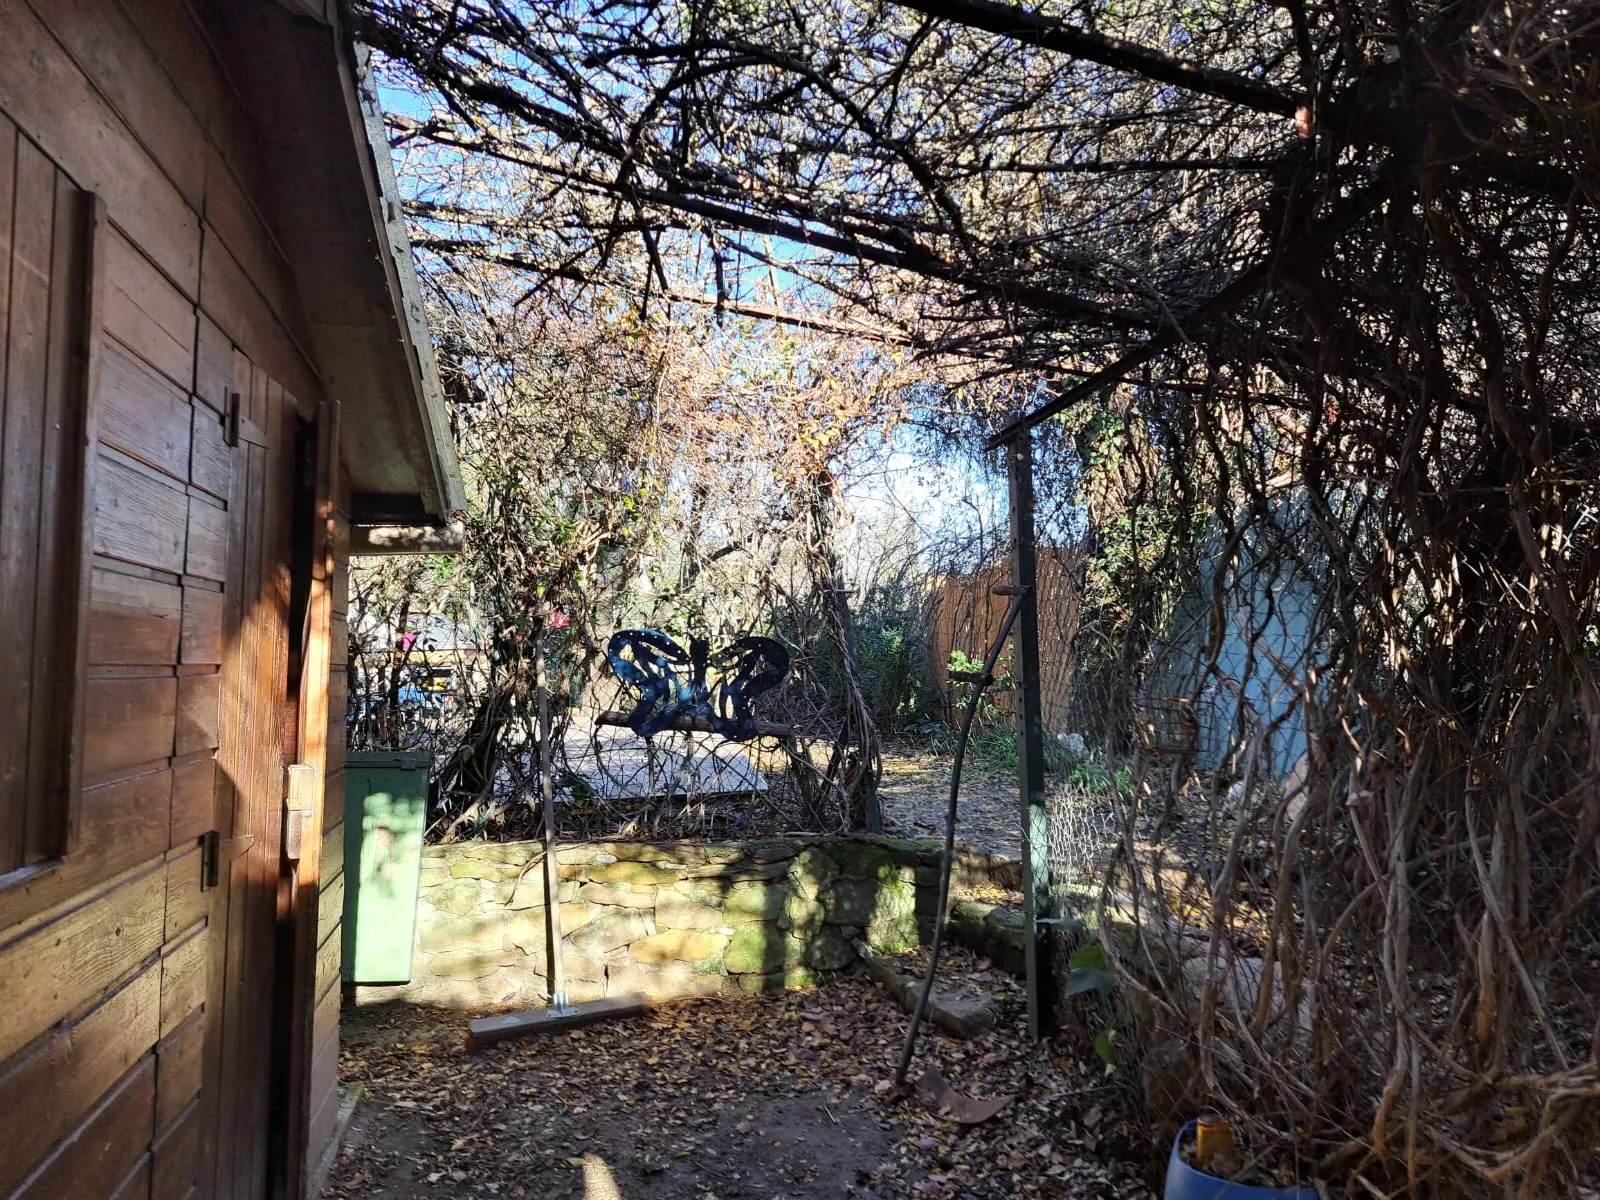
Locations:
{"points": [[747, 668], [652, 664]]}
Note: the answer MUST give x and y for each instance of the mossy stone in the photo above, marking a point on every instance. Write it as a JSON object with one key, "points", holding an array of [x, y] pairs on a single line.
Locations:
{"points": [[698, 891], [757, 949], [599, 893], [590, 970], [469, 965], [616, 928], [766, 850], [459, 896], [829, 951], [859, 858], [813, 871], [674, 911], [677, 945], [867, 902], [916, 852], [674, 852], [472, 932], [893, 932], [753, 902], [637, 874], [526, 930], [472, 868], [740, 871], [804, 915], [850, 901]]}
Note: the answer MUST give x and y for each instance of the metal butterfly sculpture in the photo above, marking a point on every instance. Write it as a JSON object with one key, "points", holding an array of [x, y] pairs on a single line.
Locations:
{"points": [[672, 684]]}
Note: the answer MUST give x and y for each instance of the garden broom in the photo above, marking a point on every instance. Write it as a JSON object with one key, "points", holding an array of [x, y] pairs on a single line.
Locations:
{"points": [[560, 1014]]}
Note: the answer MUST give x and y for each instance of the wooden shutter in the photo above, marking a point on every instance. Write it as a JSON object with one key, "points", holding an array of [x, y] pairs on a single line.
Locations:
{"points": [[49, 231]]}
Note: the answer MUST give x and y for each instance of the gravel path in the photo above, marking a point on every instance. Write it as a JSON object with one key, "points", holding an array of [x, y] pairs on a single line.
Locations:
{"points": [[916, 789]]}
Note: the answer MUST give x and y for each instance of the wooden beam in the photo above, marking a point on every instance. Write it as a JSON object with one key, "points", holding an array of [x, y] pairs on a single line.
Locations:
{"points": [[304, 805]]}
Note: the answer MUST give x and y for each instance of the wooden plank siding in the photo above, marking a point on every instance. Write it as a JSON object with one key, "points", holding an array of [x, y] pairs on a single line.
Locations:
{"points": [[135, 1055]]}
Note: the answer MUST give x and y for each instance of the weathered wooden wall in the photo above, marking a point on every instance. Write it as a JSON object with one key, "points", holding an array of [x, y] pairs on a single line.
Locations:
{"points": [[135, 1007]]}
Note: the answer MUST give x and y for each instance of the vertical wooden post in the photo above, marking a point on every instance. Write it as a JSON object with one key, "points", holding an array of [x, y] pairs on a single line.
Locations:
{"points": [[303, 806], [1030, 738]]}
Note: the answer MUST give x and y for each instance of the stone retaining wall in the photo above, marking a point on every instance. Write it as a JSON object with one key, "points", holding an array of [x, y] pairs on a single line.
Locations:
{"points": [[667, 919]]}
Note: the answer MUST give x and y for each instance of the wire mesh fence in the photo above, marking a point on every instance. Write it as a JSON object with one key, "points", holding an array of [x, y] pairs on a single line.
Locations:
{"points": [[1321, 903]]}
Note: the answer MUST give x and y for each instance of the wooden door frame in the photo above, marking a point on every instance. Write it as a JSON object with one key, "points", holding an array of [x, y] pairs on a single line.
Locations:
{"points": [[304, 797]]}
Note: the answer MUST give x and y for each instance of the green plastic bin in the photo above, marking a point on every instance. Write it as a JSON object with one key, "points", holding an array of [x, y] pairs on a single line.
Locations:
{"points": [[386, 807]]}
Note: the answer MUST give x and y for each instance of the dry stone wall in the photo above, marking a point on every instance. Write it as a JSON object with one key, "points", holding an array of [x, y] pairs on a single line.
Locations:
{"points": [[665, 919]]}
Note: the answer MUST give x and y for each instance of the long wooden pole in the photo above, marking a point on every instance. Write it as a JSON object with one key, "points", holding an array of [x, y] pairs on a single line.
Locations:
{"points": [[1030, 739]]}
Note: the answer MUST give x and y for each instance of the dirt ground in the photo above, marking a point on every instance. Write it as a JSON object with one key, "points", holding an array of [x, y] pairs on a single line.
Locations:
{"points": [[916, 789], [783, 1097]]}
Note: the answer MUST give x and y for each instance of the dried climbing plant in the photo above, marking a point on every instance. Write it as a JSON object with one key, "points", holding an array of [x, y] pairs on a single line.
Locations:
{"points": [[1313, 288]]}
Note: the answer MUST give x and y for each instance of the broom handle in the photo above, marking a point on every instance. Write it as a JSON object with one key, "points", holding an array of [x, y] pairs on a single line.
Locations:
{"points": [[552, 875]]}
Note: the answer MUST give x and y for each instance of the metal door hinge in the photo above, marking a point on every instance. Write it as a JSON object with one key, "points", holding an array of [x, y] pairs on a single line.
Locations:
{"points": [[230, 421], [210, 859]]}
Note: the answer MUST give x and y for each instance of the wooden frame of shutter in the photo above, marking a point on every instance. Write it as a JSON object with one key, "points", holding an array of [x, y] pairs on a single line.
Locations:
{"points": [[51, 801], [67, 730]]}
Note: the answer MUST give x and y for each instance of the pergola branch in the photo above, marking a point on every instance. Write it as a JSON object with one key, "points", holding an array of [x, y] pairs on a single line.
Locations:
{"points": [[1050, 33], [1300, 254]]}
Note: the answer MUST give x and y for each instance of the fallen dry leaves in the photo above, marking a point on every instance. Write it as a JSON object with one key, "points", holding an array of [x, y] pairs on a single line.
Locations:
{"points": [[777, 1097]]}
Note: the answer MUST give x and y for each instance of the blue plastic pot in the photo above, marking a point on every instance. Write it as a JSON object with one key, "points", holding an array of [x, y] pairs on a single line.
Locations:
{"points": [[1186, 1183]]}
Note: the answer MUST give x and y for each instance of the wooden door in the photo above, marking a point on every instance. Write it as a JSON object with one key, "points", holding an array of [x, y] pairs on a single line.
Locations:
{"points": [[249, 796]]}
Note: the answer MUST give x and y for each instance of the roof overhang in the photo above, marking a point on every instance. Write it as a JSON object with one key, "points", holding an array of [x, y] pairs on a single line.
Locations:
{"points": [[335, 205]]}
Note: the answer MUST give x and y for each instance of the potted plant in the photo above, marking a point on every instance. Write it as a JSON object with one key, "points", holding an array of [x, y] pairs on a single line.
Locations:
{"points": [[1215, 1151]]}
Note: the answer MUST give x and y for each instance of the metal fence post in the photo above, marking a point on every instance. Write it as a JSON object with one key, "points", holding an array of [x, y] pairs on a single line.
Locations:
{"points": [[1030, 738]]}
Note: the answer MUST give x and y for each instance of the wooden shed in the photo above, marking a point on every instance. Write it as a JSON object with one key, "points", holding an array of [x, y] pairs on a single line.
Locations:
{"points": [[213, 375]]}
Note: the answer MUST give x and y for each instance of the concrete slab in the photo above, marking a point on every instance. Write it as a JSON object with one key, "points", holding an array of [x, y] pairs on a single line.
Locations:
{"points": [[617, 764]]}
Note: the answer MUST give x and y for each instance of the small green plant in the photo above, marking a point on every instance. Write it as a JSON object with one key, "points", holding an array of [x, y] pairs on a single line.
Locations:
{"points": [[1089, 970], [996, 745], [962, 663], [1091, 775]]}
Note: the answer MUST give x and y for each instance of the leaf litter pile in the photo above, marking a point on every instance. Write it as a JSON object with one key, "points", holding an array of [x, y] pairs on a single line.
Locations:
{"points": [[784, 1097]]}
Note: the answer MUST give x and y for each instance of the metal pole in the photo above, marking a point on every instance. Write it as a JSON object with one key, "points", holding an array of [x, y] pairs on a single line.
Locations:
{"points": [[1030, 739]]}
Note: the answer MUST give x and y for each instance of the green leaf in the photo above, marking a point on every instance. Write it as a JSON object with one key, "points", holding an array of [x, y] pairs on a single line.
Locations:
{"points": [[1090, 979], [1090, 971], [1092, 955], [1105, 1047]]}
